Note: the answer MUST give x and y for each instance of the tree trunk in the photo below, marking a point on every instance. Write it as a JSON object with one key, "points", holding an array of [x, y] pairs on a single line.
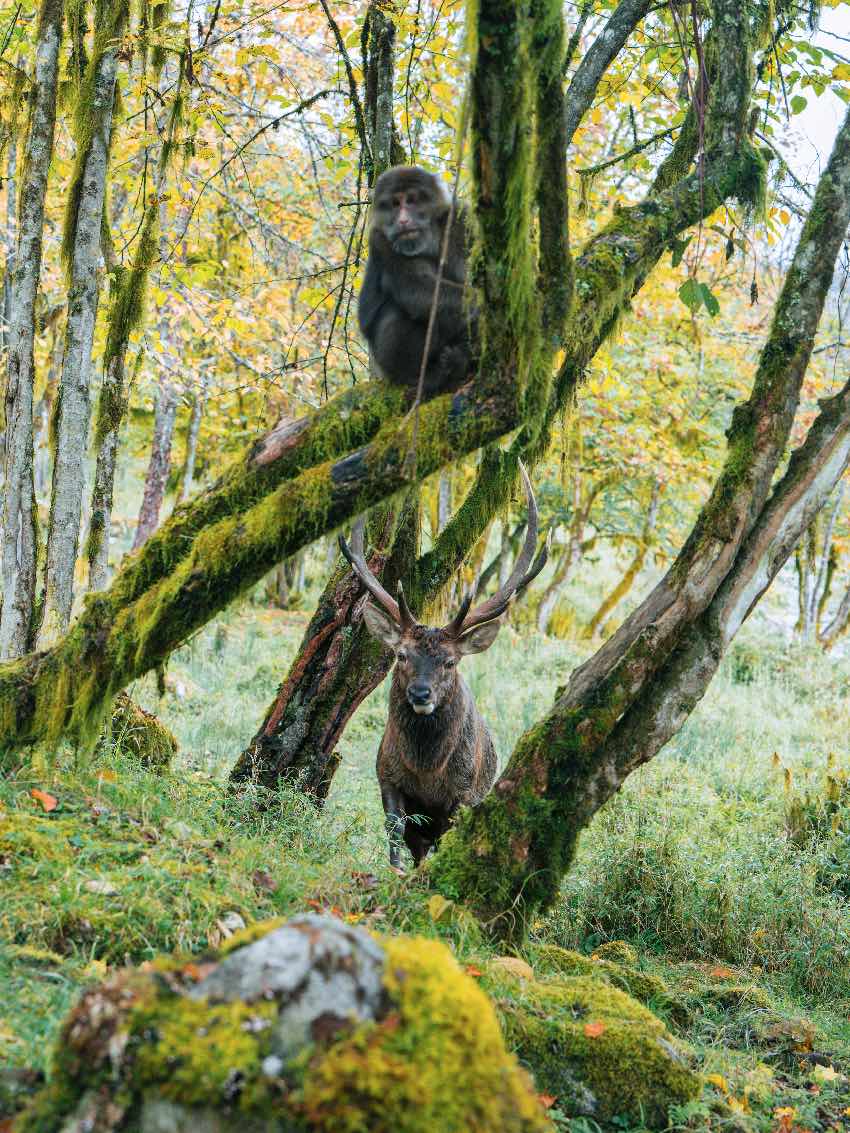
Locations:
{"points": [[337, 666], [507, 857], [192, 440], [159, 465], [125, 315], [11, 234], [624, 586], [83, 250], [19, 518]]}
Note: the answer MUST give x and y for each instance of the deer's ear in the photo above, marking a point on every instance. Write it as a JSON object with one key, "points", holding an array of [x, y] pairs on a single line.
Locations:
{"points": [[480, 638], [381, 625]]}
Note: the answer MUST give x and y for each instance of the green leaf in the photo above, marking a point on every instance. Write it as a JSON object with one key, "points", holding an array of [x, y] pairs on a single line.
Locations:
{"points": [[691, 294], [798, 104], [678, 249], [710, 300]]}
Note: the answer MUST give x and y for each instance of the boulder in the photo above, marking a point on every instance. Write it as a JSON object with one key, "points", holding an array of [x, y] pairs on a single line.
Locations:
{"points": [[308, 1025]]}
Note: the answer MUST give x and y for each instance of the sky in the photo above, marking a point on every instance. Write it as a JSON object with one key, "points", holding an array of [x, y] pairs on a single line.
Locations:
{"points": [[809, 140]]}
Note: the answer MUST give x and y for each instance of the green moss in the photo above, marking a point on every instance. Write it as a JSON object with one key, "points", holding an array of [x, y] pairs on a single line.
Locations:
{"points": [[551, 960], [397, 1069], [140, 735], [597, 1050], [434, 1060]]}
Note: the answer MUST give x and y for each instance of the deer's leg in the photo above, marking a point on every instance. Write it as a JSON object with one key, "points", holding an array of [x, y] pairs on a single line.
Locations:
{"points": [[418, 840], [394, 821]]}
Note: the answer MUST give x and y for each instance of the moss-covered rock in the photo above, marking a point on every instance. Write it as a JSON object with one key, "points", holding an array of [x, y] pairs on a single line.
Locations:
{"points": [[603, 965], [600, 1053], [141, 735], [313, 1026]]}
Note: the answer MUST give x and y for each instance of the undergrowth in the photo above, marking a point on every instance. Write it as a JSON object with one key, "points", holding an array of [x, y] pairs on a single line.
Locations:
{"points": [[724, 861]]}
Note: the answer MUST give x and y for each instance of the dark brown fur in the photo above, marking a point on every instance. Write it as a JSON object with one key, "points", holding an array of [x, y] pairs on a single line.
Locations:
{"points": [[428, 766]]}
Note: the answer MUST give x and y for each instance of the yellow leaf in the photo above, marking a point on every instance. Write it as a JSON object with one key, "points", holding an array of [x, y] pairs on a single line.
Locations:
{"points": [[439, 906], [719, 1081]]}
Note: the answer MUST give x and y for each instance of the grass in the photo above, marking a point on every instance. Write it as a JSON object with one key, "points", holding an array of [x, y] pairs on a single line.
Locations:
{"points": [[724, 861]]}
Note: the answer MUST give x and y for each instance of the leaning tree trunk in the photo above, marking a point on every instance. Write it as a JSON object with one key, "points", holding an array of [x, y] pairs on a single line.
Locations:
{"points": [[507, 857], [84, 218], [19, 518], [337, 666]]}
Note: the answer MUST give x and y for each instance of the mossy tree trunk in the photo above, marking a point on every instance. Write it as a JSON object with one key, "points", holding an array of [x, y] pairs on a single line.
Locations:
{"points": [[507, 857], [82, 252], [19, 517]]}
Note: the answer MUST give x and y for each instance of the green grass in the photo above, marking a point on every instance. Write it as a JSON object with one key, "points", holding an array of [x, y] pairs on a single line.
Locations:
{"points": [[724, 861]]}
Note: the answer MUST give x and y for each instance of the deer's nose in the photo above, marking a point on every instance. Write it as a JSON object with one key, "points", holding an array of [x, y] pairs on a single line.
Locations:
{"points": [[419, 692]]}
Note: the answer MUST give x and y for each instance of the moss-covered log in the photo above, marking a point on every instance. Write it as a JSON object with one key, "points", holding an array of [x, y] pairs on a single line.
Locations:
{"points": [[508, 856]]}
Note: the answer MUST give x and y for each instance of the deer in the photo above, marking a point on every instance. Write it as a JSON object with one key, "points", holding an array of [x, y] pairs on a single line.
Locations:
{"points": [[436, 753]]}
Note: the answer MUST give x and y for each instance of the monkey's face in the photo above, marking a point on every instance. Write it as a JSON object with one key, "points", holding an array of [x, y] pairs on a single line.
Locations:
{"points": [[407, 211]]}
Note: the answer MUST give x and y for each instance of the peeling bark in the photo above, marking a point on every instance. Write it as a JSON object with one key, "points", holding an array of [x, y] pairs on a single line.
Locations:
{"points": [[19, 519]]}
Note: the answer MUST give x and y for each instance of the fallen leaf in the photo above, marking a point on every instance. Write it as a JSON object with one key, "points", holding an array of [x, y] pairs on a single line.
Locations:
{"points": [[723, 973], [364, 880], [439, 907], [263, 880], [47, 802], [546, 1100], [719, 1081], [471, 970], [594, 1030]]}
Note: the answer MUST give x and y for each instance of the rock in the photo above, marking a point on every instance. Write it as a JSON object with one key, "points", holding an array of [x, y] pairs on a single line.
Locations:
{"points": [[312, 1025], [597, 1051], [643, 986]]}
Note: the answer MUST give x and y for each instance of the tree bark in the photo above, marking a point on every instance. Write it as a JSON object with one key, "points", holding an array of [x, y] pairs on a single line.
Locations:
{"points": [[507, 857], [159, 465], [83, 249], [19, 518], [11, 240]]}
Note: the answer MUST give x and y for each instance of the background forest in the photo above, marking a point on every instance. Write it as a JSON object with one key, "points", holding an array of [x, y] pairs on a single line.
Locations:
{"points": [[183, 250]]}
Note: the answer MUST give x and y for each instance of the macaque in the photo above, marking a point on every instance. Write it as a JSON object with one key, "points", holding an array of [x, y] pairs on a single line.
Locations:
{"points": [[410, 209]]}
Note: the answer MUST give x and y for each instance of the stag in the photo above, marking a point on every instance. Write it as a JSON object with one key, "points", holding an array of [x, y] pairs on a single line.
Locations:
{"points": [[436, 753]]}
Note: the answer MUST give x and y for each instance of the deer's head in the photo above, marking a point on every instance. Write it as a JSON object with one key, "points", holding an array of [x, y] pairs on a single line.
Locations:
{"points": [[427, 656]]}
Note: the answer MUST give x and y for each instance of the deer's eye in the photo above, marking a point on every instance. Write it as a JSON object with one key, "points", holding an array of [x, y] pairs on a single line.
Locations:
{"points": [[401, 655], [450, 662]]}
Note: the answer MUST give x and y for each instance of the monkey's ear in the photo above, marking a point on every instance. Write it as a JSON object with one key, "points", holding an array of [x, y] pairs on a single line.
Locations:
{"points": [[381, 625], [480, 637]]}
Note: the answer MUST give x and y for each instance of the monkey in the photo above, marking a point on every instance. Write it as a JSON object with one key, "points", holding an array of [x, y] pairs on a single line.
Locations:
{"points": [[410, 209]]}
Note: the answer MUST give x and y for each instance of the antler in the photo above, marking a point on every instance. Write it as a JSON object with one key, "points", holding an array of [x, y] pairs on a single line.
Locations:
{"points": [[399, 611], [523, 573]]}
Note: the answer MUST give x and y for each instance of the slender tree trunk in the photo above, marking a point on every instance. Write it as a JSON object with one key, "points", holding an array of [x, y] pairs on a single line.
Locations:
{"points": [[838, 624], [159, 465], [11, 234], [19, 518], [44, 413], [72, 411], [192, 439], [624, 586]]}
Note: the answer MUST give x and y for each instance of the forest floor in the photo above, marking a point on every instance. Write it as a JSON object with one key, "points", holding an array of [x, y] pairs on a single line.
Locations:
{"points": [[724, 863]]}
